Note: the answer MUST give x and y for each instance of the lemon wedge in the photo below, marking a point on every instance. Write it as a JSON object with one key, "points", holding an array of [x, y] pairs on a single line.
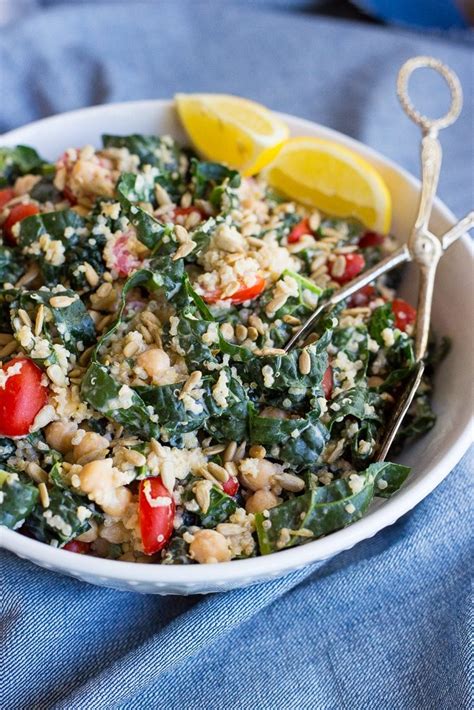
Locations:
{"points": [[324, 174], [232, 130]]}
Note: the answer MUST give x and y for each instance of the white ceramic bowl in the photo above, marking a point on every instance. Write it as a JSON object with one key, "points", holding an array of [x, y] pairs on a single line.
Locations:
{"points": [[432, 457]]}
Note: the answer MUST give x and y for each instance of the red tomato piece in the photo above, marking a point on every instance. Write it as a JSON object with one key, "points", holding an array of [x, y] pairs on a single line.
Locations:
{"points": [[298, 231], [82, 548], [7, 194], [354, 265], [17, 214], [156, 510], [246, 293], [363, 296], [21, 397], [231, 486], [327, 382], [404, 313], [185, 211], [371, 239]]}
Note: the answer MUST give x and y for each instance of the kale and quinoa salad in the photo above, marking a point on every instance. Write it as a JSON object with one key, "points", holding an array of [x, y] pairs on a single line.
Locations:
{"points": [[147, 409]]}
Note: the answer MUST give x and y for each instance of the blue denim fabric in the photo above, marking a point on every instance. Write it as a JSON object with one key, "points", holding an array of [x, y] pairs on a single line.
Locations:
{"points": [[384, 625]]}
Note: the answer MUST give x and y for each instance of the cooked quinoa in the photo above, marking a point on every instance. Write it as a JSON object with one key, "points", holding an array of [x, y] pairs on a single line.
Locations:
{"points": [[148, 411]]}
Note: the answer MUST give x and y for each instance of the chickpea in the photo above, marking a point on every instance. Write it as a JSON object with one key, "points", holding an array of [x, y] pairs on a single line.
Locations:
{"points": [[209, 546], [258, 473], [59, 435], [115, 533], [88, 447], [261, 500], [154, 361], [98, 480]]}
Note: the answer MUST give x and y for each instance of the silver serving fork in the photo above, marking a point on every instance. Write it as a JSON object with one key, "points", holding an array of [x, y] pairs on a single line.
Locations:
{"points": [[423, 247]]}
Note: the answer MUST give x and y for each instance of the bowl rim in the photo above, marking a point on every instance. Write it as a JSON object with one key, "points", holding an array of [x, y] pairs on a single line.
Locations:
{"points": [[254, 568]]}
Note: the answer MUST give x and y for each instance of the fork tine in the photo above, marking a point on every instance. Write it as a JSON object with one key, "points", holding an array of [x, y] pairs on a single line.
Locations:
{"points": [[398, 257]]}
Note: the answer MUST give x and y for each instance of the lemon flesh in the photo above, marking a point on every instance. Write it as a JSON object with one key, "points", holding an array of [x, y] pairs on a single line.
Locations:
{"points": [[232, 130], [323, 174]]}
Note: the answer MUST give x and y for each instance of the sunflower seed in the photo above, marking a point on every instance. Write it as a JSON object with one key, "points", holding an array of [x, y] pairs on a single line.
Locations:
{"points": [[62, 301], [289, 482], [230, 450], [304, 362], [218, 472]]}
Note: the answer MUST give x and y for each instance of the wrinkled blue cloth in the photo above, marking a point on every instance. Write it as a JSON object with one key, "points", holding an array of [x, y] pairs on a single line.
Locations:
{"points": [[384, 625]]}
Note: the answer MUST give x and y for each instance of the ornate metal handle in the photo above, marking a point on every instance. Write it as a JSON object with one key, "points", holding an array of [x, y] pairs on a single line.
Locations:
{"points": [[425, 248]]}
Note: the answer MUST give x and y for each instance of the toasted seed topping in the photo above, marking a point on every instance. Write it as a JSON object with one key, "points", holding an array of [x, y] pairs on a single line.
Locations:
{"points": [[39, 320], [289, 482], [219, 472], [193, 380], [43, 494], [62, 301], [184, 250], [230, 450], [304, 362]]}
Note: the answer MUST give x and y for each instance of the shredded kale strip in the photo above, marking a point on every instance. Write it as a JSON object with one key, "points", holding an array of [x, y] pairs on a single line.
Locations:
{"points": [[221, 505], [12, 264], [299, 442], [325, 509], [116, 401], [71, 231], [70, 325], [19, 498], [20, 160], [61, 522]]}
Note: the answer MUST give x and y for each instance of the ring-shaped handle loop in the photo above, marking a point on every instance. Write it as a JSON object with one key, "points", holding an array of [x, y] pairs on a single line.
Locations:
{"points": [[429, 124]]}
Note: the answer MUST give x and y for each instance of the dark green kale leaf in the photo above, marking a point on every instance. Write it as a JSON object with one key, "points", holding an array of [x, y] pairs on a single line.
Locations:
{"points": [[357, 402], [21, 160], [59, 523], [381, 318], [106, 396], [45, 190], [285, 369], [299, 442], [232, 422], [19, 497], [221, 505], [158, 152], [70, 325], [12, 264], [176, 551], [71, 230], [324, 509], [215, 182]]}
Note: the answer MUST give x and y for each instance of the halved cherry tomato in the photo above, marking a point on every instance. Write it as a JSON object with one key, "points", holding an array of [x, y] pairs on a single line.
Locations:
{"points": [[298, 231], [231, 486], [354, 265], [371, 239], [185, 211], [82, 548], [246, 293], [363, 296], [327, 382], [17, 214], [7, 194], [156, 510], [21, 396], [404, 313]]}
